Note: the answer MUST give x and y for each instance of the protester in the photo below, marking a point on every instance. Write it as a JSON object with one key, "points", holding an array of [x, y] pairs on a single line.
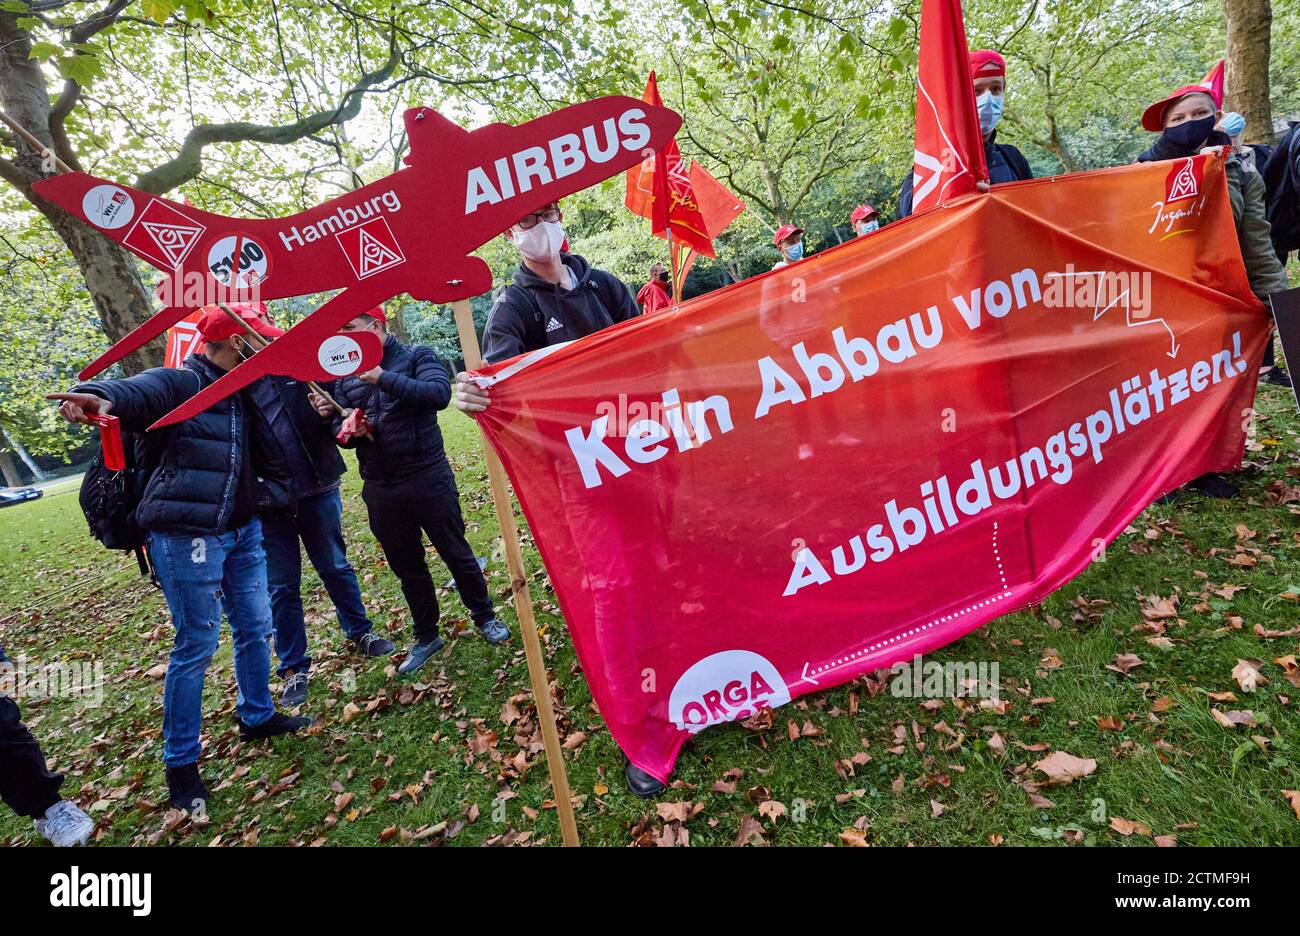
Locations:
{"points": [[554, 296], [1186, 121], [409, 488], [1253, 159], [654, 294], [864, 220], [28, 787], [988, 72], [1253, 156], [1282, 181], [582, 300], [305, 445], [200, 509], [789, 244]]}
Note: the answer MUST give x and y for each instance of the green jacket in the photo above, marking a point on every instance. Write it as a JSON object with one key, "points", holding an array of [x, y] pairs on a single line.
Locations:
{"points": [[1246, 193]]}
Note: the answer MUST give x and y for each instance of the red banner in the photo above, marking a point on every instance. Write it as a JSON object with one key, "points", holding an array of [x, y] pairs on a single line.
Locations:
{"points": [[862, 456], [949, 156]]}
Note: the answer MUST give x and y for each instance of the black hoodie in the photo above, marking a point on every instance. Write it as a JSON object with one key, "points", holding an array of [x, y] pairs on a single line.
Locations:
{"points": [[532, 313]]}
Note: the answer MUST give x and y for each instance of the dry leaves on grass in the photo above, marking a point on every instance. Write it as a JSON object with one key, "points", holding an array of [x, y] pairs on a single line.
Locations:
{"points": [[1248, 676], [1062, 768], [1124, 662]]}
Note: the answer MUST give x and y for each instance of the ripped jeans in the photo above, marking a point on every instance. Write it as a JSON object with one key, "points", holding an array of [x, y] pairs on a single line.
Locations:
{"points": [[201, 576]]}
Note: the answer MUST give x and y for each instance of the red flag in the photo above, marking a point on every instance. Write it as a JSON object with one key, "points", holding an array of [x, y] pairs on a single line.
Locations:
{"points": [[949, 145], [679, 198]]}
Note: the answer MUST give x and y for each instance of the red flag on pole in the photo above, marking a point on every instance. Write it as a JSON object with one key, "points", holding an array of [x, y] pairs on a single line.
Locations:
{"points": [[949, 145], [681, 199]]}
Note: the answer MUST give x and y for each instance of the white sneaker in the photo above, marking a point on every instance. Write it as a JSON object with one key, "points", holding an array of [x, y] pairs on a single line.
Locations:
{"points": [[65, 825]]}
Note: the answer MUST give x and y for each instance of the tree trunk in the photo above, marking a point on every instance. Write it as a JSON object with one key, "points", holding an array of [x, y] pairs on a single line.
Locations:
{"points": [[9, 469], [17, 446], [1246, 76], [110, 272]]}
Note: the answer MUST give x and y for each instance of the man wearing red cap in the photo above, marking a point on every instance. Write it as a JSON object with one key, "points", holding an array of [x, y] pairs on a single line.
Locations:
{"points": [[864, 220], [214, 475], [409, 488], [789, 244], [988, 72]]}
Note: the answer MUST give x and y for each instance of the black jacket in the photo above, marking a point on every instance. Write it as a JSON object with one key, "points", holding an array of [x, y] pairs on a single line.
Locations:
{"points": [[402, 410], [304, 440], [532, 313], [1281, 172], [1005, 164], [215, 470]]}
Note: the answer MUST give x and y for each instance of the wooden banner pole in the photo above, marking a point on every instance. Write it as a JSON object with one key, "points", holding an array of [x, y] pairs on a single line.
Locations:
{"points": [[39, 147], [523, 600]]}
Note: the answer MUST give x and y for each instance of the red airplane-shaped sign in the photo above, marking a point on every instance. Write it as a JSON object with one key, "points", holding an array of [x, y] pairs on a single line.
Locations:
{"points": [[410, 232]]}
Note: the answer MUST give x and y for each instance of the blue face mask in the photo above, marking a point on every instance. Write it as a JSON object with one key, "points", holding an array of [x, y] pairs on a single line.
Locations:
{"points": [[990, 109], [1188, 136], [795, 251], [867, 227]]}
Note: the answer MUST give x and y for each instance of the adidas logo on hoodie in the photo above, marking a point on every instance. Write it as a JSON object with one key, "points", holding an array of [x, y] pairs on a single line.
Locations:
{"points": [[553, 325]]}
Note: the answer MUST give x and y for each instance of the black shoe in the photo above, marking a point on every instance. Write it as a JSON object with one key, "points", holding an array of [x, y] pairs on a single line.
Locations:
{"points": [[1277, 377], [277, 724], [186, 790], [372, 645], [295, 691], [641, 783], [1215, 485], [420, 654]]}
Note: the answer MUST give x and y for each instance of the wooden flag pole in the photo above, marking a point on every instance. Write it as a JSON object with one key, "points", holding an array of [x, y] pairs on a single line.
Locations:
{"points": [[36, 145], [672, 260], [523, 600]]}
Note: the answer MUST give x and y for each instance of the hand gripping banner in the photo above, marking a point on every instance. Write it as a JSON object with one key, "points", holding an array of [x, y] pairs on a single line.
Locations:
{"points": [[826, 469]]}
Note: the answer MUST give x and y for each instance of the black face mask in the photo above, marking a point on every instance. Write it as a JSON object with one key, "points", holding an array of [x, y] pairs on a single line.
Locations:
{"points": [[1189, 135]]}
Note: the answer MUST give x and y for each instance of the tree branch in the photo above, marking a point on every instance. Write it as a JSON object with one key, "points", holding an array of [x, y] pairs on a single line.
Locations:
{"points": [[188, 163]]}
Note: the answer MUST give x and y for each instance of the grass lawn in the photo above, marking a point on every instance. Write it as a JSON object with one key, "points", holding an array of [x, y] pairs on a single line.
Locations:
{"points": [[1191, 589]]}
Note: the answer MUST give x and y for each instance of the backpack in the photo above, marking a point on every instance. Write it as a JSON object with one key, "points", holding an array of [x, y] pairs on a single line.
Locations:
{"points": [[109, 498], [1282, 179]]}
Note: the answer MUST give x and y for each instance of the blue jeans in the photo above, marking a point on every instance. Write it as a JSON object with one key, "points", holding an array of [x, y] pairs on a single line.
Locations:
{"points": [[318, 522], [201, 576]]}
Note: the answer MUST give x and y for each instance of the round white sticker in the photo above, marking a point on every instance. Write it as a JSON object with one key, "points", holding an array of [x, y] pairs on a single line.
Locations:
{"points": [[725, 686], [253, 261], [339, 355], [108, 207]]}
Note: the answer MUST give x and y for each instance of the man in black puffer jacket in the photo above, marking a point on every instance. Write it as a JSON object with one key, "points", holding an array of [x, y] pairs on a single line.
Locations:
{"points": [[409, 488], [306, 445], [200, 510]]}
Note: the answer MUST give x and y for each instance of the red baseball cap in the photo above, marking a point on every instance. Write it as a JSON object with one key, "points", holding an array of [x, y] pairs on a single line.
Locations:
{"points": [[215, 325], [985, 63], [1153, 118], [784, 231], [861, 212], [377, 313]]}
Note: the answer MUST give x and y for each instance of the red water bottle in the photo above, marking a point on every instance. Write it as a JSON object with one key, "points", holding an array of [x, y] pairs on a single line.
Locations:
{"points": [[110, 442]]}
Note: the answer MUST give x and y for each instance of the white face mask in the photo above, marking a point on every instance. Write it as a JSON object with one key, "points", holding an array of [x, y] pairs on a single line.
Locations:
{"points": [[540, 242]]}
